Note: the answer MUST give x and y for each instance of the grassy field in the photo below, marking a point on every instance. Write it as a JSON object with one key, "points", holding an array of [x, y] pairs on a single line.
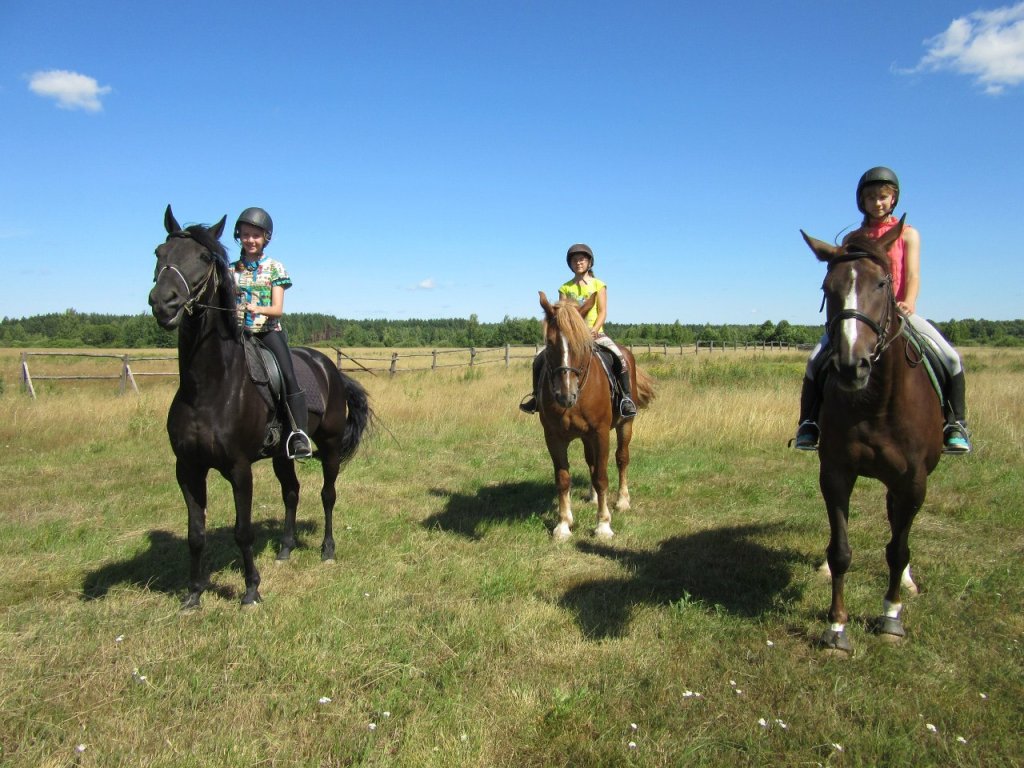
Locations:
{"points": [[452, 631]]}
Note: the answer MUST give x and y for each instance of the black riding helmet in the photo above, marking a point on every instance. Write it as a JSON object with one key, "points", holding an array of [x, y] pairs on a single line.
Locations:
{"points": [[257, 217], [878, 175], [579, 248]]}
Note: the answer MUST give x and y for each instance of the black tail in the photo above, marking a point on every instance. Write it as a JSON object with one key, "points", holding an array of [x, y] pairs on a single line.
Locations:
{"points": [[359, 417]]}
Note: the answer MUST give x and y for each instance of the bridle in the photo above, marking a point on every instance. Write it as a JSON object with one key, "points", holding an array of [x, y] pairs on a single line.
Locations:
{"points": [[194, 294], [553, 372], [881, 328]]}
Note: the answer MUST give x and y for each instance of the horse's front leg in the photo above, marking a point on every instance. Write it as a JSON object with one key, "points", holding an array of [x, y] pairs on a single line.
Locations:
{"points": [[284, 469], [192, 481], [559, 451], [836, 488], [241, 485], [623, 434], [901, 509], [599, 480], [589, 455]]}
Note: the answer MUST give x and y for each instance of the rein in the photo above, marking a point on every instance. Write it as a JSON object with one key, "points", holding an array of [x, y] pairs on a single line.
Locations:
{"points": [[881, 329]]}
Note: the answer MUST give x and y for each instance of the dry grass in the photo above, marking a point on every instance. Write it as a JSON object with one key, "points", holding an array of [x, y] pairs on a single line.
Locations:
{"points": [[451, 610]]}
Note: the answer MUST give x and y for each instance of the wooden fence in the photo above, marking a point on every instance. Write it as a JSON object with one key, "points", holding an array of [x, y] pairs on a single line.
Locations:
{"points": [[388, 362]]}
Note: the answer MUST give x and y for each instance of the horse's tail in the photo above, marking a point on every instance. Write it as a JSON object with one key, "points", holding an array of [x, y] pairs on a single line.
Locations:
{"points": [[644, 388], [360, 415]]}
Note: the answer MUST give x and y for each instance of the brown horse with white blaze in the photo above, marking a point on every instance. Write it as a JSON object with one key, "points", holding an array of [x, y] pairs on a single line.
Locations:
{"points": [[880, 417], [575, 401]]}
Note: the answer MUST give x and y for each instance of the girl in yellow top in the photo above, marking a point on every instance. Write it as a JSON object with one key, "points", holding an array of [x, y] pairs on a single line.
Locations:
{"points": [[580, 288]]}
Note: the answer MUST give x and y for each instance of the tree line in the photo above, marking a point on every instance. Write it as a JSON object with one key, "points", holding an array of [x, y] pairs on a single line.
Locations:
{"points": [[70, 329]]}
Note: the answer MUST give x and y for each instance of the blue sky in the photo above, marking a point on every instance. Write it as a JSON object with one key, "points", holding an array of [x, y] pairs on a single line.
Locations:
{"points": [[436, 159]]}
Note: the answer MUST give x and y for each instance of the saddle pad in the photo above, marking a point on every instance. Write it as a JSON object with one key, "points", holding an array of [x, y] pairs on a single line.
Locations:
{"points": [[309, 384]]}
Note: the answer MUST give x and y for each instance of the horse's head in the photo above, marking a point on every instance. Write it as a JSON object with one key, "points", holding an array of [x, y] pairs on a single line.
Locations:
{"points": [[568, 345], [190, 266], [859, 302]]}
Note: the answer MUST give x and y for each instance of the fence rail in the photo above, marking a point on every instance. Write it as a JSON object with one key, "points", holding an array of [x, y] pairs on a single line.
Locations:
{"points": [[389, 363]]}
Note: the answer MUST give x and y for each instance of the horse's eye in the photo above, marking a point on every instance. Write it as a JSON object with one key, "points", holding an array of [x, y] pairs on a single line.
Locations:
{"points": [[207, 257]]}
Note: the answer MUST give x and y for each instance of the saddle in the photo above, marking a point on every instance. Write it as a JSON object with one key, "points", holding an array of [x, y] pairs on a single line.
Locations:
{"points": [[609, 362], [265, 373]]}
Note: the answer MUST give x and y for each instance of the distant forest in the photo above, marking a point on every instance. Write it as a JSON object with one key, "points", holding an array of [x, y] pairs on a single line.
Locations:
{"points": [[82, 329]]}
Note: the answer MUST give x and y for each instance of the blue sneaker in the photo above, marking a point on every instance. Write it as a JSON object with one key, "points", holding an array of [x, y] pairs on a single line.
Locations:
{"points": [[955, 438]]}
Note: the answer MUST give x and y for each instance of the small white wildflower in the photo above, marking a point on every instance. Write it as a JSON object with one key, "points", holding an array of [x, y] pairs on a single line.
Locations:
{"points": [[771, 644], [983, 695], [837, 746], [688, 694], [762, 722], [140, 679], [373, 726], [632, 745], [119, 638], [385, 713], [463, 738], [931, 727], [325, 699], [366, 594], [781, 724], [732, 683], [961, 739], [738, 691], [80, 748], [633, 727]]}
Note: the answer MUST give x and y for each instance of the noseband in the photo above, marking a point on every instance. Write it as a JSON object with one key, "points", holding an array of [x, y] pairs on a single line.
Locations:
{"points": [[881, 329]]}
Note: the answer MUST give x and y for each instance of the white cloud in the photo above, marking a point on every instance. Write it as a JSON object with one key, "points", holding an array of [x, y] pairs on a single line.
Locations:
{"points": [[426, 285], [988, 45], [70, 89]]}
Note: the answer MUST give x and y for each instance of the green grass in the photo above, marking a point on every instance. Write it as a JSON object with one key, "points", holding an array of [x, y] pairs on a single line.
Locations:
{"points": [[452, 631]]}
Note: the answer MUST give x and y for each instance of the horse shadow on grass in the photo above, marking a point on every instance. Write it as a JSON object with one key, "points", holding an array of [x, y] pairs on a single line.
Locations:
{"points": [[164, 565], [470, 515], [725, 569]]}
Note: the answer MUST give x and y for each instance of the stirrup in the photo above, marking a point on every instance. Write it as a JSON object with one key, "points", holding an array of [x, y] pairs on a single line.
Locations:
{"points": [[627, 408], [807, 435], [293, 454], [955, 439], [529, 404]]}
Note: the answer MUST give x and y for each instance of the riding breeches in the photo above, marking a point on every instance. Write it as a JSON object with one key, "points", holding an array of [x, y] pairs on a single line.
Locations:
{"points": [[611, 346], [277, 342]]}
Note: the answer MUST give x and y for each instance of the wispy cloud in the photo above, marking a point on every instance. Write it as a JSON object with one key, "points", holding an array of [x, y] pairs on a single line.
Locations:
{"points": [[426, 285], [70, 89], [987, 45]]}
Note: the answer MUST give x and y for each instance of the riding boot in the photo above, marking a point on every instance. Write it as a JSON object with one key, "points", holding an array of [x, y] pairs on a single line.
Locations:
{"points": [[955, 437], [807, 427], [529, 404], [297, 445], [627, 408]]}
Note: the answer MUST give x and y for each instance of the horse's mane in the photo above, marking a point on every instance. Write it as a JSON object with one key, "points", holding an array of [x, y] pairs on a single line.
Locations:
{"points": [[226, 293], [863, 244], [573, 328]]}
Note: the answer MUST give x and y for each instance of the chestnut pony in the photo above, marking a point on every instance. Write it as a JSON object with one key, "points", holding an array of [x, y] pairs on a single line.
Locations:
{"points": [[880, 417], [218, 418], [575, 401]]}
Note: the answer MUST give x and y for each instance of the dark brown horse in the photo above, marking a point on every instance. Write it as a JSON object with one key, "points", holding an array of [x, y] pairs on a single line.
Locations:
{"points": [[575, 401], [219, 419], [880, 417]]}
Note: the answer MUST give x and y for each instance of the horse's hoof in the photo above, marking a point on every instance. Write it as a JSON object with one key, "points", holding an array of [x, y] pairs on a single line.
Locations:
{"points": [[604, 531], [252, 599], [836, 641], [561, 532], [622, 505], [888, 628], [191, 602], [327, 555], [284, 555]]}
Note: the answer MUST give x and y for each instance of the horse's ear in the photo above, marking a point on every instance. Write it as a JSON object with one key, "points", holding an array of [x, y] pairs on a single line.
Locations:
{"points": [[170, 223], [821, 249], [218, 229], [544, 303], [893, 234], [588, 304]]}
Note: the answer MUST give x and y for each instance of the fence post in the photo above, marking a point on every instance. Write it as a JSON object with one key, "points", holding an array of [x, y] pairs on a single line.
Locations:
{"points": [[126, 376], [508, 355], [394, 364], [472, 356], [433, 360], [26, 379]]}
